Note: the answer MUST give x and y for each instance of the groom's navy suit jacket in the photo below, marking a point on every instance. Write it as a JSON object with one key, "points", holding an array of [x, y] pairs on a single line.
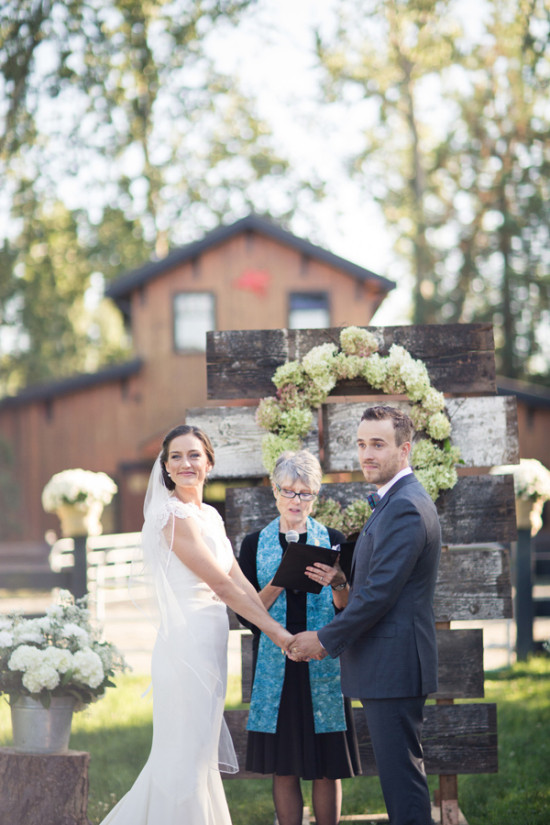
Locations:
{"points": [[386, 634]]}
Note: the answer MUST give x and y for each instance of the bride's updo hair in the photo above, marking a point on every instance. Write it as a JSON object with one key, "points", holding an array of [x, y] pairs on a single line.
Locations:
{"points": [[183, 429]]}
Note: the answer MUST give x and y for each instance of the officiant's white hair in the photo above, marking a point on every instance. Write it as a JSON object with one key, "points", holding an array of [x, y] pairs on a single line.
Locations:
{"points": [[300, 465]]}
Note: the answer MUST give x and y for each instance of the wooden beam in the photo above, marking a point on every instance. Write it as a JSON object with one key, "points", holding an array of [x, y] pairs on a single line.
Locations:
{"points": [[459, 357], [456, 739], [484, 429], [471, 585], [237, 440], [460, 664], [478, 509]]}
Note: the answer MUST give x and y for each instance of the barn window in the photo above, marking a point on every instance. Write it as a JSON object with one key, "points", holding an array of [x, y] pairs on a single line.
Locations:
{"points": [[308, 310], [194, 316]]}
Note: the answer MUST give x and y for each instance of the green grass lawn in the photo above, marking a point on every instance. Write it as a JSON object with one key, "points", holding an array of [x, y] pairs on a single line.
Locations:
{"points": [[117, 733]]}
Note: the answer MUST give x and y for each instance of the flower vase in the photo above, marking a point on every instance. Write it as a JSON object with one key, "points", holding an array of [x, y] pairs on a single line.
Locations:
{"points": [[529, 514], [76, 521], [37, 729], [523, 513]]}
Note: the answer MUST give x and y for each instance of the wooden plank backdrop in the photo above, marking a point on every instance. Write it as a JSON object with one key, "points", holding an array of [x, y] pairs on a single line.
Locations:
{"points": [[477, 515], [484, 429], [471, 584], [478, 509], [460, 664], [456, 739], [459, 357]]}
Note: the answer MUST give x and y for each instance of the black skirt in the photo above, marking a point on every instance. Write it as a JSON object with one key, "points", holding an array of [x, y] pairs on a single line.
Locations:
{"points": [[295, 749]]}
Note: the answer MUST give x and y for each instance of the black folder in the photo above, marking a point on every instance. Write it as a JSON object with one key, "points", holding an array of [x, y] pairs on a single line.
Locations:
{"points": [[346, 557], [296, 558]]}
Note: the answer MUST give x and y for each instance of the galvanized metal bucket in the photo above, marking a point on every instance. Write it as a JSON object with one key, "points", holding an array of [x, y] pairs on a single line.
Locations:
{"points": [[37, 729]]}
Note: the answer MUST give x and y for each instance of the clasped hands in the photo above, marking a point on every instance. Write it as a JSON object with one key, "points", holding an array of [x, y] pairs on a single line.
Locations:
{"points": [[305, 646]]}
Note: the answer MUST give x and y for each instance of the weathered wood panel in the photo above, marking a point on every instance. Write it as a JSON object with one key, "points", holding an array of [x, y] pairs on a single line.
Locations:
{"points": [[460, 664], [484, 428], [471, 585], [237, 440], [456, 739], [478, 509], [459, 357]]}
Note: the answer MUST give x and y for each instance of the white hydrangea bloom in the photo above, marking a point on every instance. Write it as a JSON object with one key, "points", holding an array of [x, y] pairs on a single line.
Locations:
{"points": [[78, 487], [357, 341], [39, 677], [289, 373], [375, 370], [6, 638], [419, 417], [398, 356], [59, 658], [55, 611], [73, 631], [45, 624], [433, 401], [416, 379], [439, 426], [319, 359], [88, 668], [28, 631], [531, 478], [24, 657]]}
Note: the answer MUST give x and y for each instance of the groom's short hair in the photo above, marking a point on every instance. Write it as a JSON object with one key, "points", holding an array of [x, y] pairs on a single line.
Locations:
{"points": [[402, 423]]}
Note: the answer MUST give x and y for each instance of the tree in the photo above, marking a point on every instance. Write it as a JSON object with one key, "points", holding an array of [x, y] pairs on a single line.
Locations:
{"points": [[456, 152], [57, 329], [133, 143]]}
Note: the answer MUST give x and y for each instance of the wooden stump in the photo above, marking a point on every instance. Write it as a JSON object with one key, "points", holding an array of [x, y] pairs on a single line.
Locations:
{"points": [[38, 789]]}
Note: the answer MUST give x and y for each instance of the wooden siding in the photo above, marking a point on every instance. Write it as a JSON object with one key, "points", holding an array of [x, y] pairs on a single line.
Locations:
{"points": [[114, 425]]}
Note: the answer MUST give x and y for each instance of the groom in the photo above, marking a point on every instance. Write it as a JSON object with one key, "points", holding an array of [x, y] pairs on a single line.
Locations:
{"points": [[386, 634]]}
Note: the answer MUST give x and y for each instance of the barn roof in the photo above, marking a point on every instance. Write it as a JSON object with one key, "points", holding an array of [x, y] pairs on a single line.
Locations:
{"points": [[533, 395], [49, 391], [121, 288]]}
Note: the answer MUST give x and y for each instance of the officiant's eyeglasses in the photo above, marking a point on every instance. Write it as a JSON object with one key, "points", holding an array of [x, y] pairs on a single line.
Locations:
{"points": [[292, 494]]}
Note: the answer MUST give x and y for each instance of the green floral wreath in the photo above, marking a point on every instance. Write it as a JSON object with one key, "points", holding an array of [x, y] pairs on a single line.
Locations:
{"points": [[303, 386]]}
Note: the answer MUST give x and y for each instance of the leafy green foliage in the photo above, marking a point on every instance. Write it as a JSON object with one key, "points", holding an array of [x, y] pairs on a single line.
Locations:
{"points": [[456, 152], [121, 139]]}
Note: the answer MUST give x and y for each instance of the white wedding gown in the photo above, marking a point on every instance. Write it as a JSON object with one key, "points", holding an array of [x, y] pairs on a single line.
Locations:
{"points": [[180, 783]]}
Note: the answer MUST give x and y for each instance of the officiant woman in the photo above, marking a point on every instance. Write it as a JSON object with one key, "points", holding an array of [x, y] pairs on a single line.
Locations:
{"points": [[300, 726]]}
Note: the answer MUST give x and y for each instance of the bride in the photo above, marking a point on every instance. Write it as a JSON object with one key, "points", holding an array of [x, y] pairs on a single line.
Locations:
{"points": [[188, 558]]}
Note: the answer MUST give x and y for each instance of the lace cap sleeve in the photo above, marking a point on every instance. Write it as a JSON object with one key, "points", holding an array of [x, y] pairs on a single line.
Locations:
{"points": [[181, 509]]}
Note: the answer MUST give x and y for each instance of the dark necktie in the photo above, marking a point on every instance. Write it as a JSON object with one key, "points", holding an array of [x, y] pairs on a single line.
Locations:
{"points": [[373, 499]]}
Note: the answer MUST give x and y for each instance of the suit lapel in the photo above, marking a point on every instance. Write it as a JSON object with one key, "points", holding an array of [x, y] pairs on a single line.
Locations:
{"points": [[376, 513]]}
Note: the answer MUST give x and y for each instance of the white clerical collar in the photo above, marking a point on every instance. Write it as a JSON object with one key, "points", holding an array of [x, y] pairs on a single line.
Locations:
{"points": [[405, 472]]}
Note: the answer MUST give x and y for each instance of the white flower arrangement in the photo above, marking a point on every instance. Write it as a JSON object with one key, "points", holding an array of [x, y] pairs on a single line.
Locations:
{"points": [[59, 654], [531, 484], [78, 487], [302, 386]]}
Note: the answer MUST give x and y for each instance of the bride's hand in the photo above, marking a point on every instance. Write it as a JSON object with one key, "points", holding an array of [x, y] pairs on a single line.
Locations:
{"points": [[283, 639]]}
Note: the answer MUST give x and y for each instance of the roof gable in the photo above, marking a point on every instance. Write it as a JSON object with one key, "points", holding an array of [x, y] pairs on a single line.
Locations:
{"points": [[122, 287]]}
